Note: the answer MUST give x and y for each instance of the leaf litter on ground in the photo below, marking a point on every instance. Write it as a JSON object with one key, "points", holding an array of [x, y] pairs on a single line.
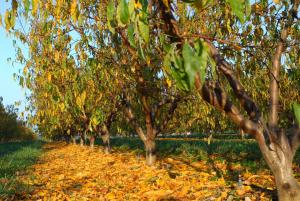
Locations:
{"points": [[72, 172]]}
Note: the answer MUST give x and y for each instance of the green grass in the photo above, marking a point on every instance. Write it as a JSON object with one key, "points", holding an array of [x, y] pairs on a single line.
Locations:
{"points": [[16, 157]]}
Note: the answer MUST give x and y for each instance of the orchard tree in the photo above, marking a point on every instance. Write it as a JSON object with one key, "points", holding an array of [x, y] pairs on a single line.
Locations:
{"points": [[278, 145], [209, 46], [192, 54]]}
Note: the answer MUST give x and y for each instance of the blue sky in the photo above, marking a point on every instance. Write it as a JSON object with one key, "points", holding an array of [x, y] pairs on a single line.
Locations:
{"points": [[9, 88]]}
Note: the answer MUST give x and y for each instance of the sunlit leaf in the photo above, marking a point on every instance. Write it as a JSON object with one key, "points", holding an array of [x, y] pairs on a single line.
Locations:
{"points": [[237, 7], [123, 12]]}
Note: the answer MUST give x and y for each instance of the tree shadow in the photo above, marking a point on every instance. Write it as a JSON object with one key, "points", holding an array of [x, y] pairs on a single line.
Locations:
{"points": [[10, 147]]}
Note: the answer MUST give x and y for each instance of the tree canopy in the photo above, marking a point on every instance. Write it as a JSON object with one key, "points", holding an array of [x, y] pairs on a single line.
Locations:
{"points": [[154, 64]]}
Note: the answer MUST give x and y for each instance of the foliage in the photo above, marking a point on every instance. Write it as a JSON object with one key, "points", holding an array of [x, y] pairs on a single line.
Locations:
{"points": [[152, 62], [11, 128]]}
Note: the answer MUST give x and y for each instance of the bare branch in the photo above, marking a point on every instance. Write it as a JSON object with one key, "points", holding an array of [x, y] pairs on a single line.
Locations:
{"points": [[274, 77]]}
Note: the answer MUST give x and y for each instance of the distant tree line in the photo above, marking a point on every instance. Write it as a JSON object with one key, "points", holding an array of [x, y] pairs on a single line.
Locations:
{"points": [[12, 128]]}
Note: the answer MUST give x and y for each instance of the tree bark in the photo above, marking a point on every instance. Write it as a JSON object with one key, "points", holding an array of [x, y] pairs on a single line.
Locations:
{"points": [[150, 152], [73, 140], [242, 134], [105, 140], [279, 157], [288, 188], [81, 141], [92, 141]]}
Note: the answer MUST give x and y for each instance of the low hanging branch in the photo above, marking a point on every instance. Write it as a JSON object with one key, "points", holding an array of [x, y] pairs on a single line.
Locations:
{"points": [[247, 103], [213, 94], [209, 93]]}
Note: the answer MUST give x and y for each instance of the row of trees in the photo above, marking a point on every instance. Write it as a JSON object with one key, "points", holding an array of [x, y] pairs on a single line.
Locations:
{"points": [[11, 127], [159, 66]]}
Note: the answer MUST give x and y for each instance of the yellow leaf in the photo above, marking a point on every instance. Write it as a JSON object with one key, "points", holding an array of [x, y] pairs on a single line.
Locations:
{"points": [[137, 5], [169, 82], [49, 77], [276, 1], [35, 5], [83, 96], [7, 20], [110, 195], [74, 11]]}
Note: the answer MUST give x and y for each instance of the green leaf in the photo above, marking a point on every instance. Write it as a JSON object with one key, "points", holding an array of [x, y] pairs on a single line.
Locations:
{"points": [[110, 11], [237, 7], [296, 108], [144, 5], [123, 12], [173, 65], [247, 8], [131, 7], [144, 29], [141, 51], [130, 32], [191, 63], [202, 52], [21, 81]]}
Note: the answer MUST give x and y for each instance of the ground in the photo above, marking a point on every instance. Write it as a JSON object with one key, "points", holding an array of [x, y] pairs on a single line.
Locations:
{"points": [[71, 172]]}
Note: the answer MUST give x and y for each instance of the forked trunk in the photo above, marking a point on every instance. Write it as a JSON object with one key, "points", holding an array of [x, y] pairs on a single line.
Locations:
{"points": [[279, 158], [106, 142], [150, 152], [92, 141]]}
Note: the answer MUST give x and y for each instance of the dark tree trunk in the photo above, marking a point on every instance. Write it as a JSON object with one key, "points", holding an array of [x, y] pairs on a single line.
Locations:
{"points": [[279, 157], [67, 139], [92, 141], [150, 152]]}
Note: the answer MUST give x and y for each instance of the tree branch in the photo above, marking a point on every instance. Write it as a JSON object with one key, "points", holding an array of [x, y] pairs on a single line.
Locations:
{"points": [[247, 103], [214, 94], [132, 120], [168, 115], [274, 77]]}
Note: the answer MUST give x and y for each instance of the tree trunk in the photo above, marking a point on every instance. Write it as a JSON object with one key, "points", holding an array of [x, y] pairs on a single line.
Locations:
{"points": [[81, 141], [106, 143], [105, 140], [150, 152], [242, 134], [85, 137], [288, 188], [92, 141], [73, 140], [279, 157]]}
